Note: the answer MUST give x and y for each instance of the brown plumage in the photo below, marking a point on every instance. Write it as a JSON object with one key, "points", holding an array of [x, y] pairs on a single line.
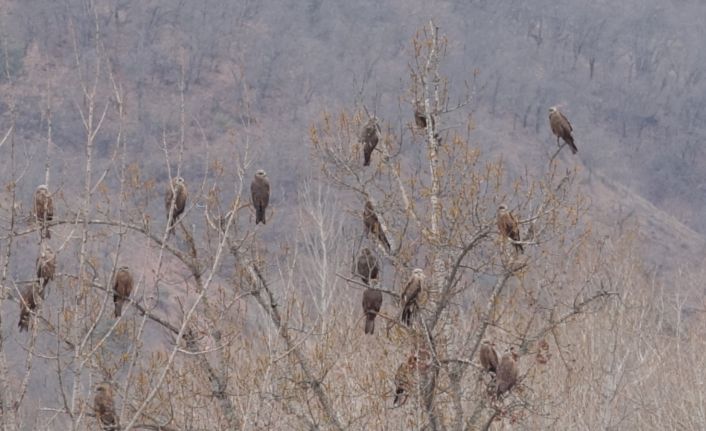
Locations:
{"points": [[372, 224], [367, 266], [561, 128], [104, 407], [260, 191], [46, 265], [508, 226], [488, 357], [369, 136], [175, 198], [372, 301], [122, 288], [405, 380], [409, 300], [43, 209], [419, 119], [29, 298], [506, 376]]}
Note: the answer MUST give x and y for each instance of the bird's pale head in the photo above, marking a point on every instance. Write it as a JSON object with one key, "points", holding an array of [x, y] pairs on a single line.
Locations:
{"points": [[552, 109], [124, 268], [179, 180], [42, 187], [418, 272], [502, 208], [261, 173], [103, 387]]}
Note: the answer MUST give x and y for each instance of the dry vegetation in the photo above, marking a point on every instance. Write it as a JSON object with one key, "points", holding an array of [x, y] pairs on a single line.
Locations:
{"points": [[232, 327]]}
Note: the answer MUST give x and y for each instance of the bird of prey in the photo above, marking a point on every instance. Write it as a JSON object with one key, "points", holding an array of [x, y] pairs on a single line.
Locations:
{"points": [[43, 209], [369, 136], [508, 227], [372, 301], [46, 265], [372, 224], [175, 200], [409, 300], [122, 288], [29, 298], [260, 191], [405, 380], [419, 119], [104, 407], [561, 128], [367, 266], [507, 372], [488, 357]]}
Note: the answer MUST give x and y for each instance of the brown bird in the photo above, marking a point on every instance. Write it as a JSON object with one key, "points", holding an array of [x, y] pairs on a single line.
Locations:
{"points": [[369, 136], [260, 191], [372, 224], [104, 407], [488, 357], [175, 200], [43, 209], [46, 265], [508, 227], [122, 288], [409, 300], [419, 119], [405, 380], [367, 267], [507, 372], [372, 301], [561, 128], [29, 298]]}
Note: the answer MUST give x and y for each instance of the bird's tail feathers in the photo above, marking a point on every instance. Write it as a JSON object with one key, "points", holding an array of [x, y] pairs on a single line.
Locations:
{"points": [[260, 215], [370, 324]]}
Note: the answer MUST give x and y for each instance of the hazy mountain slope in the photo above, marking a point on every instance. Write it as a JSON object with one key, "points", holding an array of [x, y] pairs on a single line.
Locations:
{"points": [[630, 78]]}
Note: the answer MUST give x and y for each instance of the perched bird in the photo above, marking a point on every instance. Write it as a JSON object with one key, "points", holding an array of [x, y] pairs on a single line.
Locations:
{"points": [[104, 407], [508, 227], [29, 297], [260, 191], [405, 380], [367, 267], [507, 372], [372, 301], [43, 209], [175, 200], [122, 288], [488, 357], [561, 128], [372, 224], [46, 265], [419, 119], [369, 136], [409, 300]]}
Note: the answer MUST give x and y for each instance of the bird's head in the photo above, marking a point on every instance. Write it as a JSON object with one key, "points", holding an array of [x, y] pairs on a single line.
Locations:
{"points": [[179, 180], [502, 208], [45, 249], [124, 268], [261, 173], [552, 109], [418, 272], [103, 387], [43, 187]]}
